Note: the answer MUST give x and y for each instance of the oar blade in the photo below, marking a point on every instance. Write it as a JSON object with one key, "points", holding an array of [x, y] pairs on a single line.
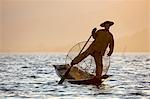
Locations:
{"points": [[62, 80], [66, 73]]}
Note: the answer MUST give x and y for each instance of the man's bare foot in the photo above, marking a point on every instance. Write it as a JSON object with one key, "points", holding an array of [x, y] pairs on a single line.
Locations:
{"points": [[105, 76]]}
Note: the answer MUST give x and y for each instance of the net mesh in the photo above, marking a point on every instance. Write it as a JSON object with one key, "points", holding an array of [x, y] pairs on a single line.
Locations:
{"points": [[88, 64]]}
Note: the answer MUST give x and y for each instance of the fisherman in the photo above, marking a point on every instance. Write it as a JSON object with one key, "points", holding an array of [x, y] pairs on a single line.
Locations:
{"points": [[102, 39]]}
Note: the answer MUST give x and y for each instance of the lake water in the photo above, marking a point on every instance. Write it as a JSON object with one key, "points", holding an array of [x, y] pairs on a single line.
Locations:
{"points": [[32, 76]]}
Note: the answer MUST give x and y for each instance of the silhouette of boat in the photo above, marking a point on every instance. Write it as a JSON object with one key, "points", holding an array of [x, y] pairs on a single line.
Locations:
{"points": [[78, 76]]}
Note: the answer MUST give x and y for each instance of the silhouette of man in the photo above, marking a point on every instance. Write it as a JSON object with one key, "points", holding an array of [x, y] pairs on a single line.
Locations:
{"points": [[102, 39]]}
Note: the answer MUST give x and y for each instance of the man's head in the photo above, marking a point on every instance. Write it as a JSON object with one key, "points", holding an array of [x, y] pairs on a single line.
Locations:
{"points": [[107, 24]]}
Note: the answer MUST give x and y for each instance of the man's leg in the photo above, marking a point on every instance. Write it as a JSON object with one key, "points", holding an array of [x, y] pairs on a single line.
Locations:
{"points": [[99, 64], [80, 57]]}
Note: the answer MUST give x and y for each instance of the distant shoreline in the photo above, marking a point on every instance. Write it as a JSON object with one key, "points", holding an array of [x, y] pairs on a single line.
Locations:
{"points": [[65, 53]]}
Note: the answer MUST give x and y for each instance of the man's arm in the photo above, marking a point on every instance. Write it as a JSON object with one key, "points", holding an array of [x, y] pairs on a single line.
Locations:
{"points": [[111, 46]]}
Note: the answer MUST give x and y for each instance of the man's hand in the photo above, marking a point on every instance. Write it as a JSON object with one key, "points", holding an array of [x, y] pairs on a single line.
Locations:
{"points": [[94, 30], [109, 54], [93, 33]]}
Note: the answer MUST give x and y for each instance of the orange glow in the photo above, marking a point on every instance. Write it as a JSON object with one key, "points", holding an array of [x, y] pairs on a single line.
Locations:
{"points": [[56, 25]]}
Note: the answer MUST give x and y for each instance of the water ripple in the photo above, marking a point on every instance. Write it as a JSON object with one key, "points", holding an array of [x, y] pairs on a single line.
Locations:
{"points": [[32, 76]]}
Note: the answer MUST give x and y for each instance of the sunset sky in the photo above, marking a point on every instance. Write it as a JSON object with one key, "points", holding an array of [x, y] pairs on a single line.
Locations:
{"points": [[57, 25]]}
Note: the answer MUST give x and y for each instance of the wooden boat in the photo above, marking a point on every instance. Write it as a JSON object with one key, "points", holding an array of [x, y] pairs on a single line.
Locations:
{"points": [[78, 76]]}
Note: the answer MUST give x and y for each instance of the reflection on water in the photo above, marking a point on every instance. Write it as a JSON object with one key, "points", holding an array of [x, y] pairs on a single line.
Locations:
{"points": [[32, 76]]}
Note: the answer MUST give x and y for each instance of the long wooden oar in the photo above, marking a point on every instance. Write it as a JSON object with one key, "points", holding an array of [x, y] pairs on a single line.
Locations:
{"points": [[68, 70]]}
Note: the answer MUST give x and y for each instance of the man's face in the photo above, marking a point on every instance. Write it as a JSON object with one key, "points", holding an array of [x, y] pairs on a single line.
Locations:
{"points": [[107, 26]]}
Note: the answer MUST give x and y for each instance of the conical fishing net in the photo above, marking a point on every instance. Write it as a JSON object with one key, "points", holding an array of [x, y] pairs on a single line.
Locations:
{"points": [[88, 64]]}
